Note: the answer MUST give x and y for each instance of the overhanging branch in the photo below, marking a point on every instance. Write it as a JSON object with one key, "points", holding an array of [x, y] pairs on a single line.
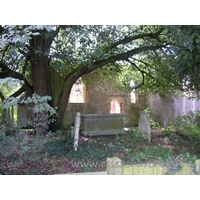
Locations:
{"points": [[132, 38], [143, 72], [18, 92], [122, 56], [7, 72]]}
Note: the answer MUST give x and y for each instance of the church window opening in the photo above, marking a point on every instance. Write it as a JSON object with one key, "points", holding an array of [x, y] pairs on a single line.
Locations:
{"points": [[115, 107], [132, 95], [77, 92]]}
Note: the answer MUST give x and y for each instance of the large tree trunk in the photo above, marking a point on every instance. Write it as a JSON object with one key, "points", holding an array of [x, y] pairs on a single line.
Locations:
{"points": [[63, 101], [69, 80], [40, 74]]}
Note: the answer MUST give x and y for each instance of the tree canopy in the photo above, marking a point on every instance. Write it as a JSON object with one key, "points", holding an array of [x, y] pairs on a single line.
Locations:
{"points": [[154, 56], [186, 52]]}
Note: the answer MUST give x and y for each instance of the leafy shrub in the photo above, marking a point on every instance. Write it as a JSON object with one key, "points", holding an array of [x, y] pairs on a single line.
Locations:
{"points": [[20, 146], [184, 131], [42, 111], [175, 163]]}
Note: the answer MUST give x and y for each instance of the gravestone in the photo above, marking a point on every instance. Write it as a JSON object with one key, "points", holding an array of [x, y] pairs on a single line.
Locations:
{"points": [[76, 130], [25, 114], [102, 124], [144, 125]]}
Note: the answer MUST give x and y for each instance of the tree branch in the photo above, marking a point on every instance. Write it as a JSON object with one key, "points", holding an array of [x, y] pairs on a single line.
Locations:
{"points": [[143, 72], [2, 96], [135, 37], [21, 51], [7, 72], [18, 92], [118, 57]]}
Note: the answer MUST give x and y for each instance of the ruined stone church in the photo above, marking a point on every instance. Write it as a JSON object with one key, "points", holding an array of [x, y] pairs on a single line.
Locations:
{"points": [[102, 98]]}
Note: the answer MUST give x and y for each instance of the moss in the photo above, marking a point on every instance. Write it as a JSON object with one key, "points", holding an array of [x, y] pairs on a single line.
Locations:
{"points": [[127, 170], [148, 170], [186, 169], [137, 170], [157, 170]]}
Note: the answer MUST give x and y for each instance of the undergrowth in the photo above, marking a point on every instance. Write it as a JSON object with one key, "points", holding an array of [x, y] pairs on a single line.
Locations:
{"points": [[174, 145]]}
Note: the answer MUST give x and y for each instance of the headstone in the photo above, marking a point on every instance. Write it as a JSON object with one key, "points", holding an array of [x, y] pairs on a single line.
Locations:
{"points": [[102, 124], [76, 130], [25, 114], [144, 125]]}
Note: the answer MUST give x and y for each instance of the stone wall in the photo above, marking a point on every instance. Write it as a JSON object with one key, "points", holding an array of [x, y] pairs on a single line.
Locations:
{"points": [[98, 97], [184, 105], [162, 108], [166, 108]]}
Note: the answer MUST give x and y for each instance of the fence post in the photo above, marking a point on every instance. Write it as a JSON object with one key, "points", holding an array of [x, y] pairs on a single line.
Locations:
{"points": [[114, 166]]}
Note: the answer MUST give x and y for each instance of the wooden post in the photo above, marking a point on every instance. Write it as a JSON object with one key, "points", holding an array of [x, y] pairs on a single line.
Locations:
{"points": [[76, 130]]}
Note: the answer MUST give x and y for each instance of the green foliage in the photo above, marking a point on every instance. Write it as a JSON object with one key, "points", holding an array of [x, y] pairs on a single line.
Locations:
{"points": [[104, 48], [40, 104], [21, 148], [185, 131], [10, 85], [186, 51], [42, 110], [132, 138], [131, 148], [153, 123], [18, 147], [175, 163]]}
